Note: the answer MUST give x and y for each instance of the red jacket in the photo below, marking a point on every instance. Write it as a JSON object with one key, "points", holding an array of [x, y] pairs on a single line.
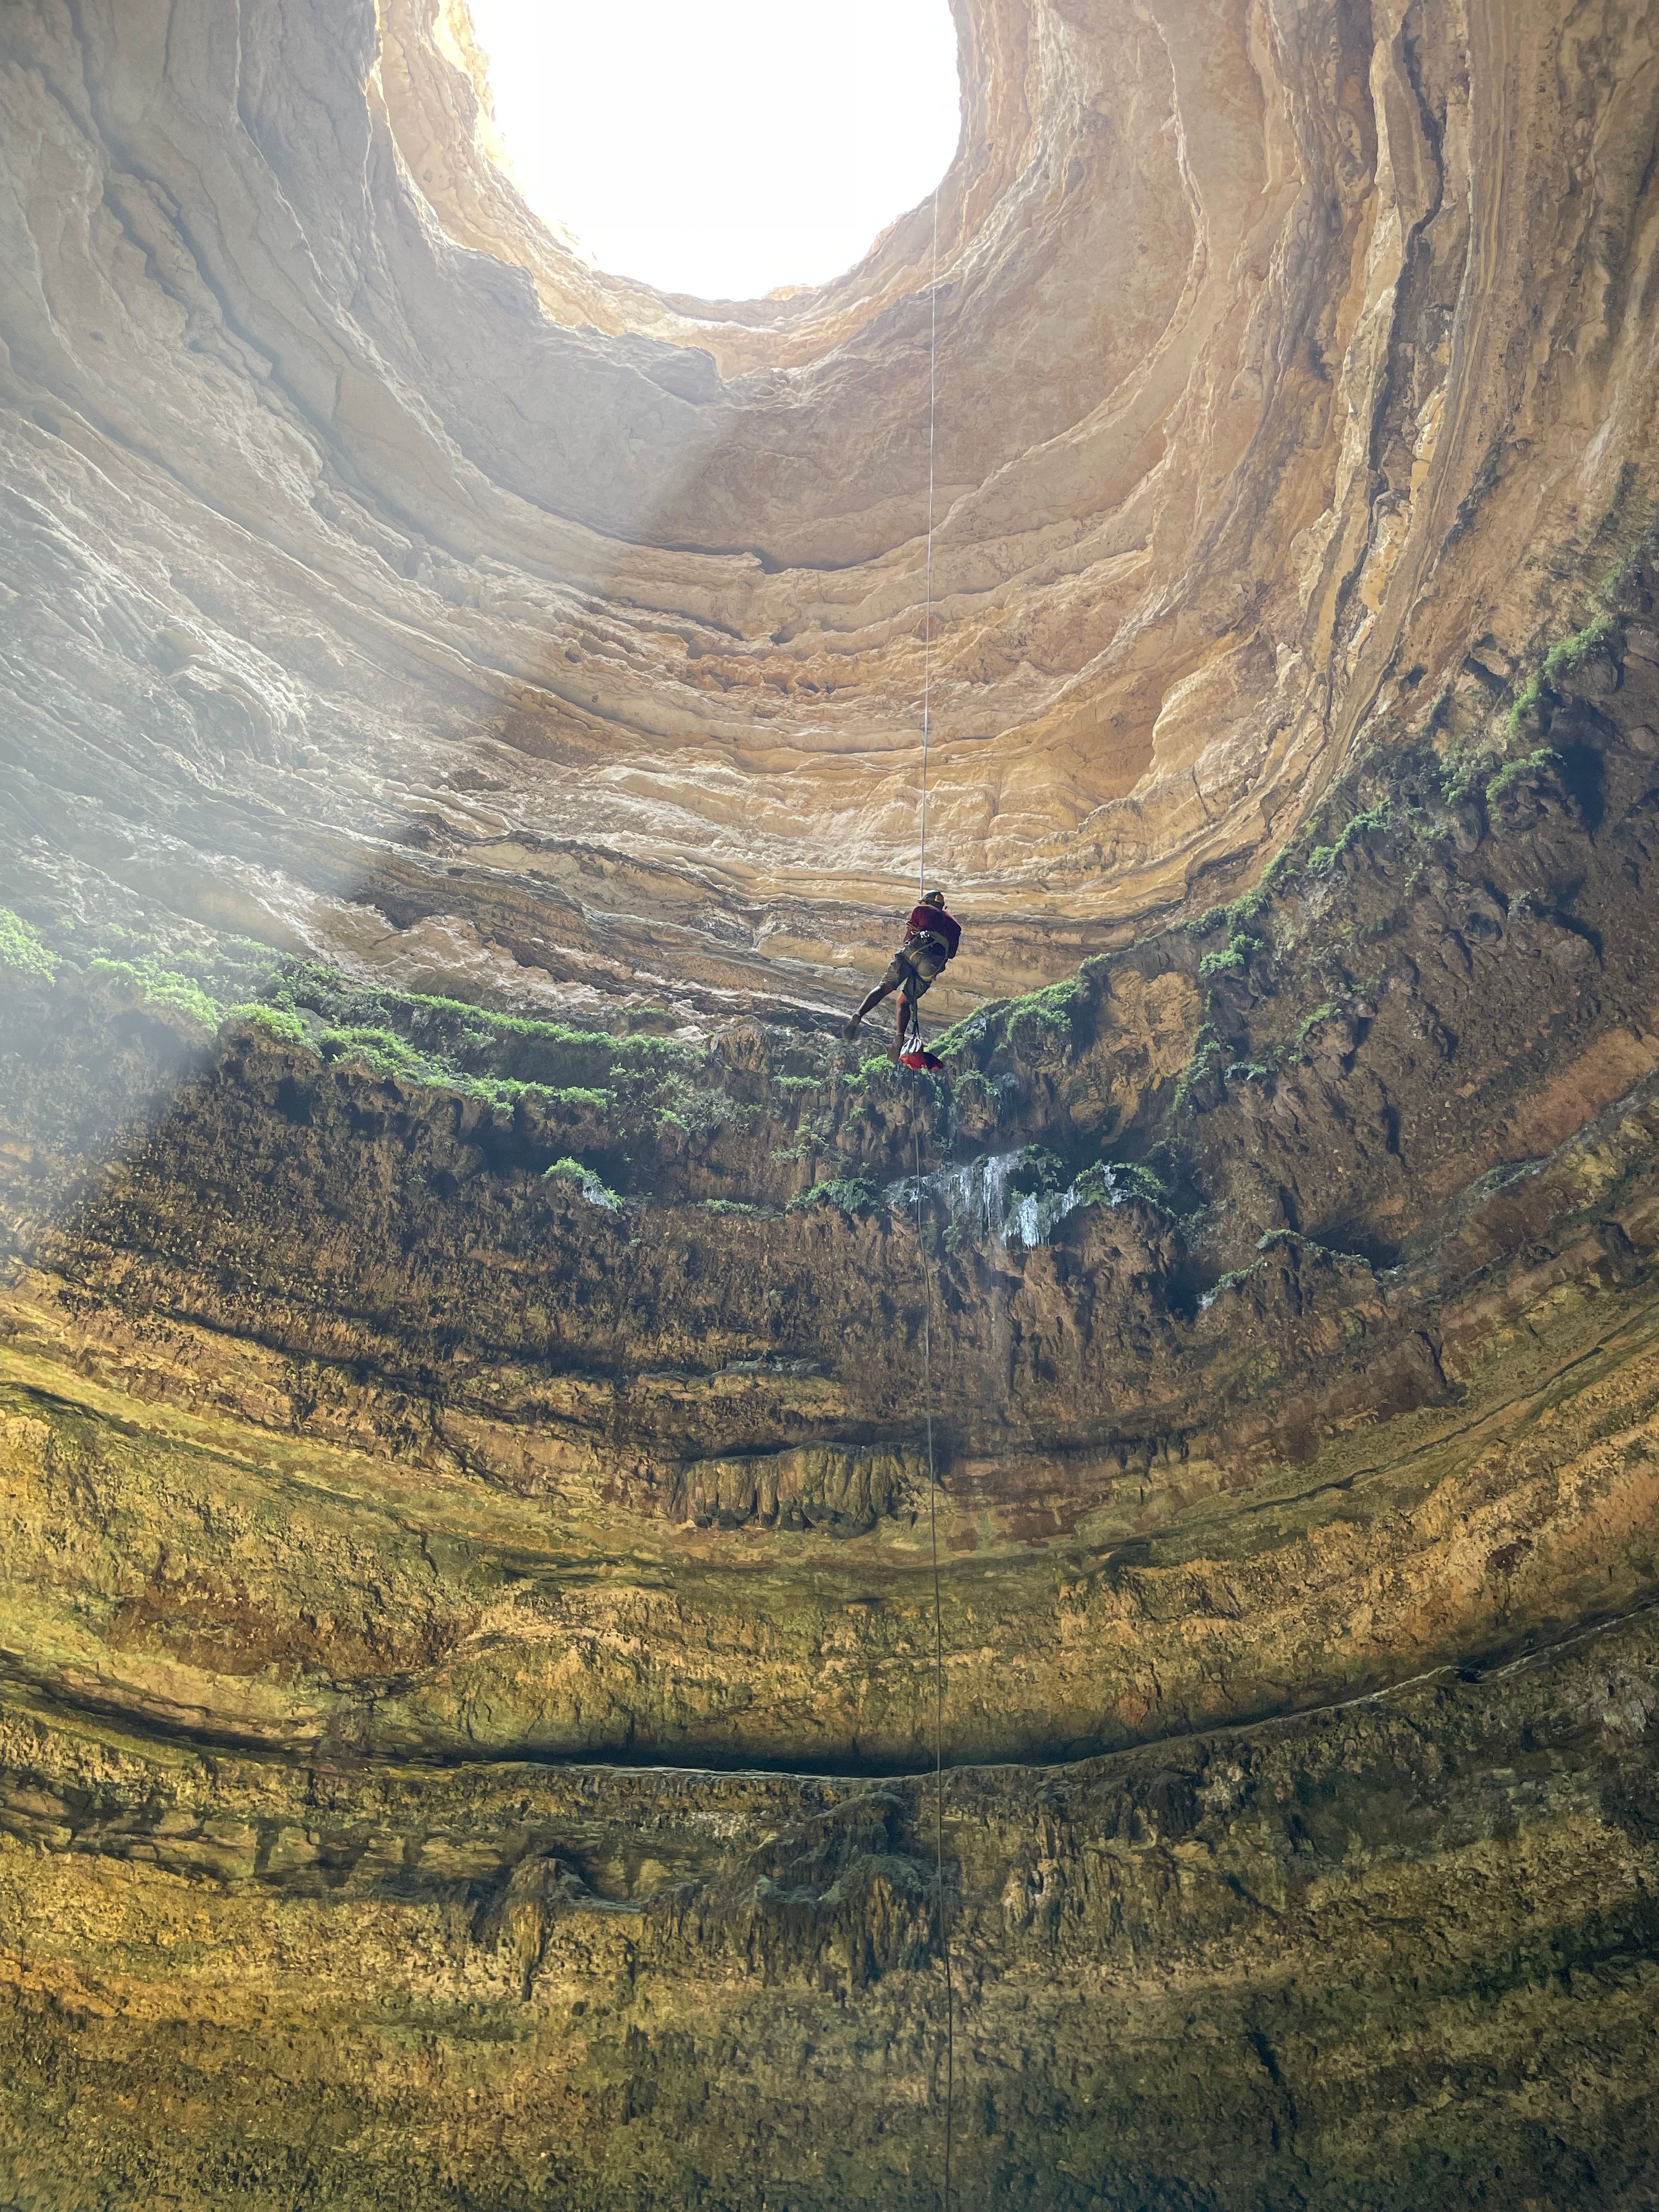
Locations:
{"points": [[935, 921]]}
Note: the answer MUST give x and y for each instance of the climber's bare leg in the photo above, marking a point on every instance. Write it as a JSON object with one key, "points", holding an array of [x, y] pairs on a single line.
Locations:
{"points": [[868, 1007]]}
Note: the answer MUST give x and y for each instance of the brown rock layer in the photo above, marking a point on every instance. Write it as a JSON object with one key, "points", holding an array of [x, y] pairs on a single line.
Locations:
{"points": [[415, 640], [1197, 1978], [569, 638]]}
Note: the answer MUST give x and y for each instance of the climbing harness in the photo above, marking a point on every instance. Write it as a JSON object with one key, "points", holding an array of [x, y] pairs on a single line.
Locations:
{"points": [[916, 1056]]}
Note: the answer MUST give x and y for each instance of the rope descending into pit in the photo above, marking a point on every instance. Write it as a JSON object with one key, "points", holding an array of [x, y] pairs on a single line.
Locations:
{"points": [[927, 1288], [938, 1693], [928, 581]]}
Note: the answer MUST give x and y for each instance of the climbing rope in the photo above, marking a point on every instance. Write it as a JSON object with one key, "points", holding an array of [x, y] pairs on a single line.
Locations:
{"points": [[927, 1284], [938, 1693], [927, 581]]}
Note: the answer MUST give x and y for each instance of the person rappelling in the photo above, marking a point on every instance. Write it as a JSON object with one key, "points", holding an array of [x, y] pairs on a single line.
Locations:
{"points": [[931, 938]]}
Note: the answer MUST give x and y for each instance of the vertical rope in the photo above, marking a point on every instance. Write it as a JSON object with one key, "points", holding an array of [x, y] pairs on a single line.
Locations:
{"points": [[943, 1922], [927, 1280], [939, 1697], [927, 585]]}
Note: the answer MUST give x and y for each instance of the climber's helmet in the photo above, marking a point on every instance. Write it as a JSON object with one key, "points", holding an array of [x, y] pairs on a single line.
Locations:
{"points": [[933, 898]]}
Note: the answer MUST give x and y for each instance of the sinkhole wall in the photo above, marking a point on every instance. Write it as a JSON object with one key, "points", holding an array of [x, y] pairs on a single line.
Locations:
{"points": [[466, 1607]]}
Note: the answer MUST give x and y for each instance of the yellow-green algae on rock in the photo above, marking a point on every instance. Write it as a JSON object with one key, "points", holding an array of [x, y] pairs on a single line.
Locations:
{"points": [[467, 1595], [1296, 1613]]}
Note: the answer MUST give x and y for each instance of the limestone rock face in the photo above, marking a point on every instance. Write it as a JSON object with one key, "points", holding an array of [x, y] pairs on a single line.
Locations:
{"points": [[391, 584], [519, 1448]]}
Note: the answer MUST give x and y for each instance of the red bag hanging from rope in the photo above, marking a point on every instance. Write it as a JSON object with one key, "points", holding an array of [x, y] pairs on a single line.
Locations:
{"points": [[915, 1054]]}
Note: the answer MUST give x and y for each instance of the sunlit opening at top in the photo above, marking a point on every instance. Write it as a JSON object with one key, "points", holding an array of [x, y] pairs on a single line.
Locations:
{"points": [[724, 148]]}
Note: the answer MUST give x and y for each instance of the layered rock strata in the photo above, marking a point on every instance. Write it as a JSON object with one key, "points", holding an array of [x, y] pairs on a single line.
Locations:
{"points": [[363, 1441], [471, 1466], [1256, 1258], [411, 594], [1253, 1968]]}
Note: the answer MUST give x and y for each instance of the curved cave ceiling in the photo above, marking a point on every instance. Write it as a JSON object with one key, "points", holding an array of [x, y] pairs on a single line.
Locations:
{"points": [[482, 1720], [417, 596]]}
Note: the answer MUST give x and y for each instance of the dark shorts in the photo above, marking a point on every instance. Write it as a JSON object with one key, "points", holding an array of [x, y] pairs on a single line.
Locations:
{"points": [[912, 972]]}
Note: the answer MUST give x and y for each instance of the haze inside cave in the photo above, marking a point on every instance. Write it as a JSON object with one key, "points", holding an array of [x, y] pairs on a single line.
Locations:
{"points": [[610, 1602], [727, 150]]}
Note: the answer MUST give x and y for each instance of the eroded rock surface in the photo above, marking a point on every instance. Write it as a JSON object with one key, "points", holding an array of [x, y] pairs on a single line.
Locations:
{"points": [[1204, 1976], [389, 584], [471, 1475]]}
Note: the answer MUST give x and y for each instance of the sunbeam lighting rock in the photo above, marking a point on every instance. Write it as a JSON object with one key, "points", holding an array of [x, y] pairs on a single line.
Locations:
{"points": [[465, 1614]]}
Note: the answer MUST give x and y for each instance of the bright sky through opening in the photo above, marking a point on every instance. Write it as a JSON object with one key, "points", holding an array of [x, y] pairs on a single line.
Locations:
{"points": [[724, 147]]}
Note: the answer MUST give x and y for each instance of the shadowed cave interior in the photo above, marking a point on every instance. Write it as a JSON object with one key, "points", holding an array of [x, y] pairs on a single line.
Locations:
{"points": [[466, 1610]]}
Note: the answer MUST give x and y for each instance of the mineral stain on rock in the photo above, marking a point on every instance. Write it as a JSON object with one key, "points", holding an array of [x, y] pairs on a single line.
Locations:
{"points": [[470, 1473]]}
